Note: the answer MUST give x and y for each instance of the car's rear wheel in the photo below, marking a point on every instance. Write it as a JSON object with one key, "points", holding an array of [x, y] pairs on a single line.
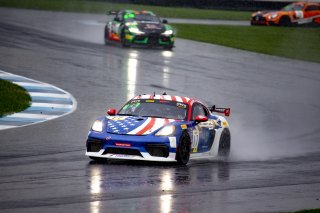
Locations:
{"points": [[285, 21], [224, 144], [316, 22], [183, 150], [124, 42]]}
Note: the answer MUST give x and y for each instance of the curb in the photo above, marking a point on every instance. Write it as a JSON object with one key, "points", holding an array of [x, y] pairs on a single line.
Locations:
{"points": [[48, 102]]}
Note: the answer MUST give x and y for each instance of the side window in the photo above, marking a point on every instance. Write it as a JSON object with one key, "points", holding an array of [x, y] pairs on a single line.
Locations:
{"points": [[118, 17], [312, 8], [198, 109]]}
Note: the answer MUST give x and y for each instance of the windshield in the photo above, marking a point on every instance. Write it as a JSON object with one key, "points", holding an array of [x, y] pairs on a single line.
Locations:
{"points": [[155, 108], [141, 18], [292, 7]]}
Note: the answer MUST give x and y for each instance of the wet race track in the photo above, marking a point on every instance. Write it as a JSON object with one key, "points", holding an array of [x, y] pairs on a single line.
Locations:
{"points": [[274, 163]]}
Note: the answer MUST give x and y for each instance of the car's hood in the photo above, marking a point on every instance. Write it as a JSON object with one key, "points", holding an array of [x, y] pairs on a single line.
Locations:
{"points": [[151, 27], [132, 125]]}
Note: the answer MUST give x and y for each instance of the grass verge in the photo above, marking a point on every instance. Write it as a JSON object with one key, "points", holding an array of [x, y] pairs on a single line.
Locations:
{"points": [[295, 43], [13, 98], [103, 7], [308, 211]]}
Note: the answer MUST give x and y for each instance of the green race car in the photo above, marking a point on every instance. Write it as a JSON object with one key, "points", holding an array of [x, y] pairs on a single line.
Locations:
{"points": [[139, 27]]}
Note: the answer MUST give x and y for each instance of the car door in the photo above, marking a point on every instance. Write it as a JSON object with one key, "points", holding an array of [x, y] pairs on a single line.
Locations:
{"points": [[312, 11], [202, 134], [118, 19]]}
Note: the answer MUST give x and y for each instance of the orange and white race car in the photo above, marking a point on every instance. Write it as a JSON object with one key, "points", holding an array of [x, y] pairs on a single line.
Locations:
{"points": [[299, 13]]}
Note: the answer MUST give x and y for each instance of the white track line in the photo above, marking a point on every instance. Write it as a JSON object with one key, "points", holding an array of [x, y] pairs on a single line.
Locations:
{"points": [[19, 119], [63, 106], [31, 84], [29, 115], [49, 95]]}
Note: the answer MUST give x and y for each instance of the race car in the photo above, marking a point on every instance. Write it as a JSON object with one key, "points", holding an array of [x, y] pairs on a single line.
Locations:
{"points": [[299, 13], [139, 27], [160, 128]]}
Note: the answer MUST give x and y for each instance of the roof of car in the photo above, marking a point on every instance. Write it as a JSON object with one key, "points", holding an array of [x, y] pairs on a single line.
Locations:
{"points": [[181, 99], [139, 12]]}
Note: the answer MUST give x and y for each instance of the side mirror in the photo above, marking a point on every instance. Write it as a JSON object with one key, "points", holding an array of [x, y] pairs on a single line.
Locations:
{"points": [[111, 111], [201, 118], [165, 21]]}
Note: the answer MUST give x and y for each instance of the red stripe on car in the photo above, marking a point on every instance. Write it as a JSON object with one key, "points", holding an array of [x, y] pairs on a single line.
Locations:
{"points": [[147, 127]]}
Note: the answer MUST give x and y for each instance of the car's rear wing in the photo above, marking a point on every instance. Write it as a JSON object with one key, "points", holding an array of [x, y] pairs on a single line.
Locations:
{"points": [[225, 111], [113, 12]]}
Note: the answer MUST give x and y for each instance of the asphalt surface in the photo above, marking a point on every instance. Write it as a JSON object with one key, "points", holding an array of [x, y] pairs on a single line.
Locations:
{"points": [[274, 163]]}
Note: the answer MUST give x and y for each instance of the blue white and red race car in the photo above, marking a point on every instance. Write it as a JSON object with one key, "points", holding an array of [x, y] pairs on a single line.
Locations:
{"points": [[160, 128]]}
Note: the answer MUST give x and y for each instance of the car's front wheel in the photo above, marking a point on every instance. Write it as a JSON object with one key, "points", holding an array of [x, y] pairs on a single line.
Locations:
{"points": [[285, 21], [183, 150], [106, 35], [168, 47], [224, 144], [124, 42]]}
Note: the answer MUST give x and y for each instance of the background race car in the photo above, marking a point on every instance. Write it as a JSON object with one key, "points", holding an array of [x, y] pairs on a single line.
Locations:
{"points": [[160, 128], [139, 27], [299, 13]]}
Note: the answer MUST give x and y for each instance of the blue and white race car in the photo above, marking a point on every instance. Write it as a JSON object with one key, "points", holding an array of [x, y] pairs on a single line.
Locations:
{"points": [[160, 128]]}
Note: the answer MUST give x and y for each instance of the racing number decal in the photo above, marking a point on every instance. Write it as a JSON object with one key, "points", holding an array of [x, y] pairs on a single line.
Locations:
{"points": [[299, 14], [195, 140], [202, 131]]}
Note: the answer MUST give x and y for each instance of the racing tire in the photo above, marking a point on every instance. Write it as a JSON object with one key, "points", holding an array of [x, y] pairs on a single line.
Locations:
{"points": [[168, 47], [106, 35], [124, 43], [285, 21], [315, 23], [183, 150], [224, 144]]}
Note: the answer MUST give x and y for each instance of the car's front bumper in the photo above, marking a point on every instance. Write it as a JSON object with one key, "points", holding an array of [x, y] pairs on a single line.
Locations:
{"points": [[152, 39], [260, 20], [131, 147]]}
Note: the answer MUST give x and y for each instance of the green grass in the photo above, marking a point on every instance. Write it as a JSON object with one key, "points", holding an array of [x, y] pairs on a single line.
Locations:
{"points": [[309, 211], [295, 43], [103, 7], [13, 98]]}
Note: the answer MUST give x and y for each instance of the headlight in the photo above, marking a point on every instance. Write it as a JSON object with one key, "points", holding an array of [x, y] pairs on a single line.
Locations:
{"points": [[135, 30], [97, 126], [166, 131], [168, 32], [273, 16]]}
